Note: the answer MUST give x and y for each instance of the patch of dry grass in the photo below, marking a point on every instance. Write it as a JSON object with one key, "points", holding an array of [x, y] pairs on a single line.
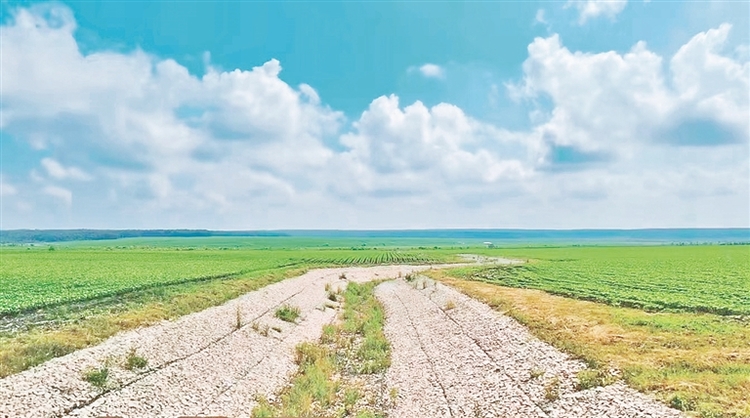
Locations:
{"points": [[694, 362]]}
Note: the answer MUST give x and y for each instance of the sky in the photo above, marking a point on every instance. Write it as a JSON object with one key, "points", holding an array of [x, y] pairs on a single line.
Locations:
{"points": [[374, 115]]}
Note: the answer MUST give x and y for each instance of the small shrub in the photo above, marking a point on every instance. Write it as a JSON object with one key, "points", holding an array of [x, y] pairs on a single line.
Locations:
{"points": [[552, 389], [133, 361], [332, 297], [342, 276], [393, 394], [277, 329], [329, 334], [682, 403], [238, 323], [97, 377], [450, 305], [536, 372], [351, 396], [589, 378], [288, 313], [409, 277]]}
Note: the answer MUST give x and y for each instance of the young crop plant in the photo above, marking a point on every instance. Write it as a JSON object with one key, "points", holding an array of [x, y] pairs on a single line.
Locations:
{"points": [[287, 313]]}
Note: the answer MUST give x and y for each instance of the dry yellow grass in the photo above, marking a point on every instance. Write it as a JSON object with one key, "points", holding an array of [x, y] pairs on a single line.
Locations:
{"points": [[699, 363]]}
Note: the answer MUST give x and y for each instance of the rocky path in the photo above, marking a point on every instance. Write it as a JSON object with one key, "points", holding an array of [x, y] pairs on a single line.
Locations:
{"points": [[453, 356], [200, 364]]}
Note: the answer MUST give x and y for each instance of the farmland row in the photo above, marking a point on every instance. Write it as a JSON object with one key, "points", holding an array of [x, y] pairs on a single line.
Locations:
{"points": [[699, 279], [31, 279]]}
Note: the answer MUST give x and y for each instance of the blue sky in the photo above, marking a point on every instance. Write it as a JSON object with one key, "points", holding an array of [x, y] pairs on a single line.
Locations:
{"points": [[235, 115]]}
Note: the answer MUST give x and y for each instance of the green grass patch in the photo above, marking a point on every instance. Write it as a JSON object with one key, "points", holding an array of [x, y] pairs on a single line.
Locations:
{"points": [[134, 362], [287, 313], [97, 377]]}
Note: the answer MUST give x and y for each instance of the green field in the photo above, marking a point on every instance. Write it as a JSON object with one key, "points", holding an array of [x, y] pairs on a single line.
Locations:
{"points": [[713, 279], [39, 277], [679, 278]]}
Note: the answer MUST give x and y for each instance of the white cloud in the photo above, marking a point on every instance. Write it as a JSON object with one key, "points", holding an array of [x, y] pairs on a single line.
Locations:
{"points": [[419, 149], [429, 70], [589, 9], [539, 17], [611, 104], [59, 172], [60, 193], [7, 189], [244, 149]]}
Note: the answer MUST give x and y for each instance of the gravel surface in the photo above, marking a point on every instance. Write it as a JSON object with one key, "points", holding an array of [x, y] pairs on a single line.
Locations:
{"points": [[453, 356], [199, 364]]}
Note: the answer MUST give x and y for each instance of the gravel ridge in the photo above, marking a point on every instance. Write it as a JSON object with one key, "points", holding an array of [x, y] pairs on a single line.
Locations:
{"points": [[453, 356]]}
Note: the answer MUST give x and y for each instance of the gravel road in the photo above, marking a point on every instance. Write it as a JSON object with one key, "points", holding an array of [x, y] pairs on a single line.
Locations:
{"points": [[200, 364], [453, 356]]}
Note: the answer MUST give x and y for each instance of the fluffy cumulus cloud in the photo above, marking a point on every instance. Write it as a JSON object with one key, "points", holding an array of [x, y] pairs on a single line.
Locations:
{"points": [[588, 9], [611, 105], [115, 139]]}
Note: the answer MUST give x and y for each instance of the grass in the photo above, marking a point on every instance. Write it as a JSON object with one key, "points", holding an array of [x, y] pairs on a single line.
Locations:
{"points": [[33, 278], [287, 313], [712, 279], [134, 362], [324, 384], [97, 377], [696, 362]]}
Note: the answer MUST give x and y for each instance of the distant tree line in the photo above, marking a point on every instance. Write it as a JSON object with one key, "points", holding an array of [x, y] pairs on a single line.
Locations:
{"points": [[60, 235]]}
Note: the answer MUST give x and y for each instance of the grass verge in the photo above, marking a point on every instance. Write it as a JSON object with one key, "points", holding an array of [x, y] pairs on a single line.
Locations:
{"points": [[74, 329], [336, 376], [698, 363]]}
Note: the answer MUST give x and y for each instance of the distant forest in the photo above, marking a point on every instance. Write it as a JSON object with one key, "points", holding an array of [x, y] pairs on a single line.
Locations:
{"points": [[60, 235], [673, 236]]}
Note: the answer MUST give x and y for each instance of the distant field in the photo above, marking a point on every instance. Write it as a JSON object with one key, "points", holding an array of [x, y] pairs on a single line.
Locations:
{"points": [[713, 279], [678, 278], [38, 277]]}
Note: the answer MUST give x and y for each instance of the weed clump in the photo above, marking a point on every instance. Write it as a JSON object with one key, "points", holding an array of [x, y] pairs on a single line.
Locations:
{"points": [[591, 378], [97, 377], [133, 361], [288, 313]]}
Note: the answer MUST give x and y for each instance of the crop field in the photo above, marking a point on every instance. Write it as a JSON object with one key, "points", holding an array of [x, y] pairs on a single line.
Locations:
{"points": [[713, 279], [39, 277]]}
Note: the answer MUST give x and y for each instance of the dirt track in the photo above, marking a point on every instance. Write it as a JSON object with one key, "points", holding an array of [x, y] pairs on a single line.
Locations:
{"points": [[464, 361]]}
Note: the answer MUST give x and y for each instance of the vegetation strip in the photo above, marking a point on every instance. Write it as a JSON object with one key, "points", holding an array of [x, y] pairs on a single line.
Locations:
{"points": [[342, 375], [692, 362], [713, 279]]}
